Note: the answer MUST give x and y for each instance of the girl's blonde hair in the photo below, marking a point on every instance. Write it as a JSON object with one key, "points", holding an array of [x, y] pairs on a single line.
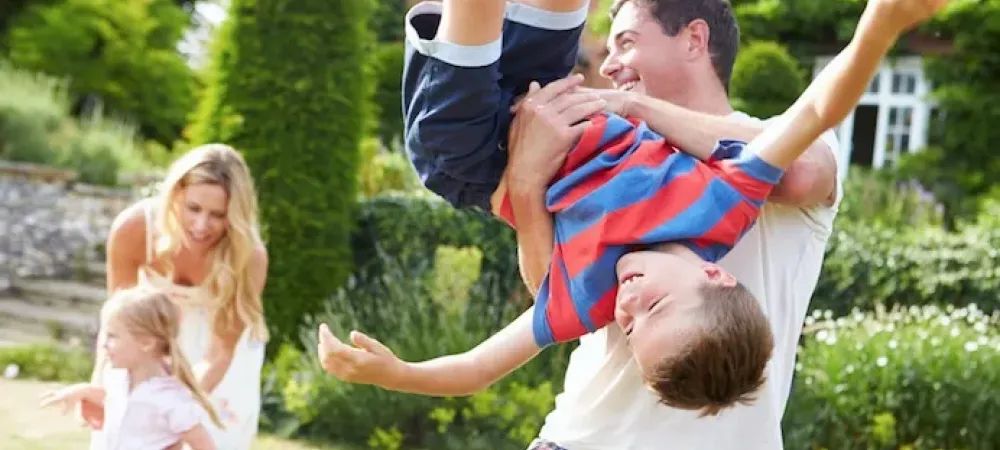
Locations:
{"points": [[237, 299], [150, 313]]}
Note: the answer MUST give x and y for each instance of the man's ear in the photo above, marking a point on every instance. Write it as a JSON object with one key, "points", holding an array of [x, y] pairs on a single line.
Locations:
{"points": [[719, 276], [697, 34]]}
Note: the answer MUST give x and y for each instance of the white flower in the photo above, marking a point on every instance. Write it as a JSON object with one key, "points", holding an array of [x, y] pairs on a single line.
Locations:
{"points": [[971, 346], [893, 344], [11, 371], [881, 361]]}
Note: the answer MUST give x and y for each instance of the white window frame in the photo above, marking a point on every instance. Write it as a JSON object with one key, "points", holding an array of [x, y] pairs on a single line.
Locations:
{"points": [[884, 99]]}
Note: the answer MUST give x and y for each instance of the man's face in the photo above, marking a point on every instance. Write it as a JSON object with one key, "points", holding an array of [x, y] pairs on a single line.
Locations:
{"points": [[642, 57]]}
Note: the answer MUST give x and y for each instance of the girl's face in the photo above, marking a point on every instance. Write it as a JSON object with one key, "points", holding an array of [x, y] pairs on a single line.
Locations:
{"points": [[126, 350], [202, 211]]}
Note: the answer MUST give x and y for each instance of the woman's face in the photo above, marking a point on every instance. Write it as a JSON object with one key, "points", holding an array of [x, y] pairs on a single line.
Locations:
{"points": [[202, 211]]}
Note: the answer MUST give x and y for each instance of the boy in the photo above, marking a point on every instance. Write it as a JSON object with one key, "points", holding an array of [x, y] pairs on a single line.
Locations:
{"points": [[699, 338]]}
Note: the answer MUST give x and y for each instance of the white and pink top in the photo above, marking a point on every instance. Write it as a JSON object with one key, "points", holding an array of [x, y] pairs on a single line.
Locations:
{"points": [[151, 417]]}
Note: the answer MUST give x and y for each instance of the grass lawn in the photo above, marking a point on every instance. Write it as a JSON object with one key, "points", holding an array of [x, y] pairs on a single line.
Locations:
{"points": [[25, 426]]}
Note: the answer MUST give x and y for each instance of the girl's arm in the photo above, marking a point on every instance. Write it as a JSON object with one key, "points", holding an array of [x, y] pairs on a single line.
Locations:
{"points": [[197, 438], [371, 362], [71, 395]]}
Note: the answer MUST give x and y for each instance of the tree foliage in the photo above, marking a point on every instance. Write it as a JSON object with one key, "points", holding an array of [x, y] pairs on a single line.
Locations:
{"points": [[291, 85], [120, 52]]}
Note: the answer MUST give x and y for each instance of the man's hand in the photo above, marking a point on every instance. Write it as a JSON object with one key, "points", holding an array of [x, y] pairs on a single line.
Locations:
{"points": [[368, 362], [548, 122]]}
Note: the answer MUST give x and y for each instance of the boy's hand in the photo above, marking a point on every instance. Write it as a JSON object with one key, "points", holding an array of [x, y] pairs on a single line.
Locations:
{"points": [[899, 16], [368, 362], [615, 101]]}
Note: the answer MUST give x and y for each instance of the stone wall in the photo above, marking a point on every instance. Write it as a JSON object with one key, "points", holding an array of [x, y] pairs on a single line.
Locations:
{"points": [[51, 226]]}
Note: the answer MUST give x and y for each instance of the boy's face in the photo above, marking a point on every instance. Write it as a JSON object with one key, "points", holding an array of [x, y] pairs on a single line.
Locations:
{"points": [[658, 298]]}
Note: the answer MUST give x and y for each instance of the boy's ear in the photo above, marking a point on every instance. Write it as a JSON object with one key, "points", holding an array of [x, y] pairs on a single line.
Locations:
{"points": [[717, 275]]}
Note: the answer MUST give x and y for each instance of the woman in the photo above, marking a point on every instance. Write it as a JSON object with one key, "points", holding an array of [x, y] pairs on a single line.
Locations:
{"points": [[200, 241]]}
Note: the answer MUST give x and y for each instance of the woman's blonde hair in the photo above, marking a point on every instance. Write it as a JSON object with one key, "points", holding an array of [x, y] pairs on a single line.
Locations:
{"points": [[147, 312], [237, 299]]}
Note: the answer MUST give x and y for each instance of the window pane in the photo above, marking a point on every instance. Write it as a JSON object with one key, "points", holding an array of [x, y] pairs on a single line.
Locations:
{"points": [[873, 87]]}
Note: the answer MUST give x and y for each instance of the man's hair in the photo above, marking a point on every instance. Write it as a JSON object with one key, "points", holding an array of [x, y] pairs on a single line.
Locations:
{"points": [[723, 362], [674, 15]]}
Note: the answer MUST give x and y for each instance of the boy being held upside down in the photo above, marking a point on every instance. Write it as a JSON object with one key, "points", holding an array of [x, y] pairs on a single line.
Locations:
{"points": [[633, 224]]}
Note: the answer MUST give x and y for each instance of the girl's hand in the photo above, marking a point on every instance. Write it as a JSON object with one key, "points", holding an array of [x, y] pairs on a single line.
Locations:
{"points": [[67, 397]]}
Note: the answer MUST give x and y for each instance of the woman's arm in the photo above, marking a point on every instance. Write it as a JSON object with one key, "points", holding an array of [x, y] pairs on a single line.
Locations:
{"points": [[221, 350]]}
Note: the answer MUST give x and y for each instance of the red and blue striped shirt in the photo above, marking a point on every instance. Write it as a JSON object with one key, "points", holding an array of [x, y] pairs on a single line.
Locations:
{"points": [[623, 185]]}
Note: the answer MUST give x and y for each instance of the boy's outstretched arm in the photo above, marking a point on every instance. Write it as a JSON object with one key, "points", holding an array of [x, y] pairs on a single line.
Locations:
{"points": [[839, 86], [371, 362]]}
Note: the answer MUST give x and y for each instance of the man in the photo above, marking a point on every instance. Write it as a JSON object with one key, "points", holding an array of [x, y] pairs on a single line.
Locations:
{"points": [[670, 61]]}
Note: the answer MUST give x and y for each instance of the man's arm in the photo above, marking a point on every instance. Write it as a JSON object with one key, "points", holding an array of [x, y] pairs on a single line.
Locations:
{"points": [[535, 236], [548, 123], [810, 180]]}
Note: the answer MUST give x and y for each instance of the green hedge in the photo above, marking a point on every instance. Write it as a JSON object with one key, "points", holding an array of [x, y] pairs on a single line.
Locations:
{"points": [[866, 265], [411, 227], [389, 91], [916, 378], [291, 90], [45, 362]]}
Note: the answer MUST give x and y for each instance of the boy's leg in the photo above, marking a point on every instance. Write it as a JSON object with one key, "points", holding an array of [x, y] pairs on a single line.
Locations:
{"points": [[453, 108], [541, 40]]}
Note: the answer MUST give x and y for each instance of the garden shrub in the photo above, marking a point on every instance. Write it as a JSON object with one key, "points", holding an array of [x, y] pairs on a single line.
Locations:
{"points": [[32, 108], [384, 171], [46, 362], [884, 199], [766, 80], [121, 52], [865, 266], [36, 127], [290, 88], [388, 91], [920, 378], [410, 227]]}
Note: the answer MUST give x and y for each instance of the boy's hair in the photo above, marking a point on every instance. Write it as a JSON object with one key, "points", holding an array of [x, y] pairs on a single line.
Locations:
{"points": [[724, 33], [723, 363]]}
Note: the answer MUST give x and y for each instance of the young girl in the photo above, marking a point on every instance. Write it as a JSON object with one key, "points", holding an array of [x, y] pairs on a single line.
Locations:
{"points": [[150, 398]]}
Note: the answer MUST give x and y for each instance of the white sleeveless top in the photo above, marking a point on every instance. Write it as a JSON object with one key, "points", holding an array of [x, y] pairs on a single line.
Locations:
{"points": [[237, 396]]}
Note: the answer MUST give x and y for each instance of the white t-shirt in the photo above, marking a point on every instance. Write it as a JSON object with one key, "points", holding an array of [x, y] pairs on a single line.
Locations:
{"points": [[606, 406]]}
